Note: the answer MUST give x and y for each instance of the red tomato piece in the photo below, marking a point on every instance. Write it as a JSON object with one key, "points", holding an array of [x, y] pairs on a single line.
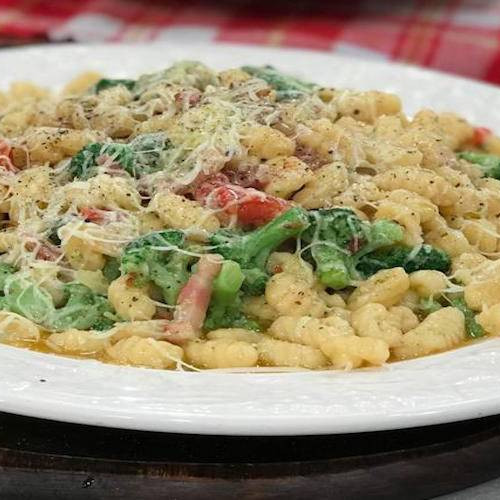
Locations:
{"points": [[481, 134], [258, 211]]}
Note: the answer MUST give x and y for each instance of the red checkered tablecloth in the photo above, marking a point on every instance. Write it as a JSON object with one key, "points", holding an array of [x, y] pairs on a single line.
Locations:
{"points": [[458, 36]]}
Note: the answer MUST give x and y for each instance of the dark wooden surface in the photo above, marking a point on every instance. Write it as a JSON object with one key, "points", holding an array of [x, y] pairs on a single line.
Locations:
{"points": [[42, 460]]}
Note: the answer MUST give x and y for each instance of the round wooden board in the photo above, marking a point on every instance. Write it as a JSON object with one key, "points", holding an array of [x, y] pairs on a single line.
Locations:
{"points": [[41, 460]]}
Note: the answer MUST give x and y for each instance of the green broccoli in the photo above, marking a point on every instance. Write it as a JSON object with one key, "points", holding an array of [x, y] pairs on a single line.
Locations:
{"points": [[427, 257], [111, 269], [338, 239], [106, 83], [184, 73], [287, 87], [251, 249], [24, 297], [472, 327], [490, 164], [225, 304], [148, 152], [157, 257], [140, 157], [83, 310]]}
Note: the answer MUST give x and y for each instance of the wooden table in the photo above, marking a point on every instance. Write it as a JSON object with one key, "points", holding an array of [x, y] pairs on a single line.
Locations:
{"points": [[41, 460]]}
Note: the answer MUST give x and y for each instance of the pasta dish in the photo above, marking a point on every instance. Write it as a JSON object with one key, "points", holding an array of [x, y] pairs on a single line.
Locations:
{"points": [[195, 219]]}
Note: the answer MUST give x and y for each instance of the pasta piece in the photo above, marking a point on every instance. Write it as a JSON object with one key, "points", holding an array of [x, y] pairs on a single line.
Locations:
{"points": [[348, 352], [258, 308], [440, 331], [420, 181], [331, 141], [154, 328], [51, 145], [452, 241], [367, 106], [221, 353], [149, 222], [428, 283], [239, 334], [130, 302], [471, 267], [425, 209], [327, 183], [292, 296], [375, 321], [407, 320], [409, 219], [274, 352], [15, 328], [178, 212], [481, 234], [145, 352], [386, 287], [283, 176], [266, 142], [309, 331], [479, 294], [30, 194], [284, 262], [104, 192], [81, 83], [489, 319], [81, 256], [75, 341], [386, 155]]}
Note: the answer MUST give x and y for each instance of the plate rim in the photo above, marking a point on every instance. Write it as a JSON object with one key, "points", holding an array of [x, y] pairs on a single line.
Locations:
{"points": [[24, 396]]}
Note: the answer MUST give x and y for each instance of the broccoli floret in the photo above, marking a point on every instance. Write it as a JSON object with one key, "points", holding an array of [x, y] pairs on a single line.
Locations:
{"points": [[111, 269], [472, 327], [106, 83], [140, 157], [83, 310], [427, 257], [27, 299], [184, 73], [83, 165], [338, 239], [157, 257], [225, 304], [287, 87], [147, 152], [251, 249], [490, 164]]}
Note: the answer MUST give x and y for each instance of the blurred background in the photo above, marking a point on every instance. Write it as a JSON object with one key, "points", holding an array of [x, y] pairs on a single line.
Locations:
{"points": [[457, 36]]}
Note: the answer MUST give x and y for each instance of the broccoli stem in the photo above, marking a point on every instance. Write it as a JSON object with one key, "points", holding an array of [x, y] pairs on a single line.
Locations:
{"points": [[472, 327], [228, 282], [251, 250], [225, 305], [261, 242], [331, 267]]}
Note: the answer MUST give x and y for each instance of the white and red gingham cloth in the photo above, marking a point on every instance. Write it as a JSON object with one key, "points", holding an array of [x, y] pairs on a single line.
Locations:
{"points": [[458, 36]]}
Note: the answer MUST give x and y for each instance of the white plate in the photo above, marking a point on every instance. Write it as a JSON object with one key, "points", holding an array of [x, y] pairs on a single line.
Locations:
{"points": [[456, 385]]}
